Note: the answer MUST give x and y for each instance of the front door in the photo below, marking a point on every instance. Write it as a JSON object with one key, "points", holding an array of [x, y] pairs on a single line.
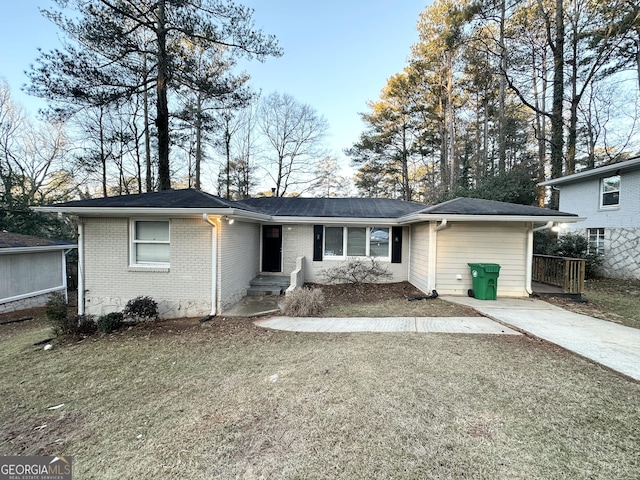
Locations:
{"points": [[272, 248]]}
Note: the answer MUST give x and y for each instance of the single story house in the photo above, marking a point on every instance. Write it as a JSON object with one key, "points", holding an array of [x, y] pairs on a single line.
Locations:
{"points": [[609, 198], [31, 268], [196, 254]]}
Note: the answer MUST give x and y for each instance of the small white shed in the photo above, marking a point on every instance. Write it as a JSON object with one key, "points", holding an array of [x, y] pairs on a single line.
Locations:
{"points": [[31, 268]]}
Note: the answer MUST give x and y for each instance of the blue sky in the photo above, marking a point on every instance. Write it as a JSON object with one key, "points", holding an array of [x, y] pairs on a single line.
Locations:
{"points": [[337, 54]]}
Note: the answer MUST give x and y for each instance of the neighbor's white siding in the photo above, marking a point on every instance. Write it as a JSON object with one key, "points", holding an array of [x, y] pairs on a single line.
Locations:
{"points": [[462, 243], [238, 260], [583, 199], [298, 241], [27, 279], [621, 223], [419, 257], [182, 290]]}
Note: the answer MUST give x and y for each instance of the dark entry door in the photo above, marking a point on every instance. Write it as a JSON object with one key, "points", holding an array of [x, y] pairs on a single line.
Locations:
{"points": [[272, 248]]}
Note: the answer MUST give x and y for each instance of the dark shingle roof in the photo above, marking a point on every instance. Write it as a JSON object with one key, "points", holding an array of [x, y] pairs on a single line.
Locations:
{"points": [[17, 240], [186, 198], [332, 207], [307, 207], [478, 206]]}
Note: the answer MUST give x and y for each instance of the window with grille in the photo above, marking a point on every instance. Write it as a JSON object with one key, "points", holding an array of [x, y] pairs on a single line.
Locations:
{"points": [[610, 192], [596, 240]]}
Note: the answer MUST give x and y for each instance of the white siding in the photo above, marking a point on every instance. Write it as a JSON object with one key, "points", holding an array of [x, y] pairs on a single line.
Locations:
{"points": [[28, 279], [25, 273], [584, 199], [621, 224], [183, 290], [479, 242], [238, 260], [419, 266]]}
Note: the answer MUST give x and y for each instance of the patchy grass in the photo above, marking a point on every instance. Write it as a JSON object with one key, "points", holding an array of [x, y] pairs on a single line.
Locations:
{"points": [[609, 299], [230, 400]]}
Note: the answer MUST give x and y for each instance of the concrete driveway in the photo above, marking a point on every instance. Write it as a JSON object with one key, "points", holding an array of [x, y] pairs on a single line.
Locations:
{"points": [[614, 346]]}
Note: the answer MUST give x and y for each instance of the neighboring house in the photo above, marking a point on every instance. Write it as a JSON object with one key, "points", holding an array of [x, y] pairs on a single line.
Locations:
{"points": [[196, 254], [31, 269], [609, 198]]}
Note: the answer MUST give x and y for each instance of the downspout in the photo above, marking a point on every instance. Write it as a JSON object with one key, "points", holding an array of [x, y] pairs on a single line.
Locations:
{"points": [[64, 274], [528, 268], [214, 265], [433, 252], [80, 268]]}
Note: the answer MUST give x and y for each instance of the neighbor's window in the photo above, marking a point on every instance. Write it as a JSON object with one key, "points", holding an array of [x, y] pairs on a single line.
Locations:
{"points": [[150, 242], [610, 191], [596, 240], [356, 242]]}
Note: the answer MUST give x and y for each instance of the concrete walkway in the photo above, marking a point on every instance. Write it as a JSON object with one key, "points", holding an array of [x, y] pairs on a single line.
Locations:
{"points": [[393, 324], [612, 345]]}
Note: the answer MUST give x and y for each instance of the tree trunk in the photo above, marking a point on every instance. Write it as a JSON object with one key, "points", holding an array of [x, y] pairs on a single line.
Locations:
{"points": [[147, 136], [103, 159], [502, 151], [199, 140], [162, 119], [557, 124]]}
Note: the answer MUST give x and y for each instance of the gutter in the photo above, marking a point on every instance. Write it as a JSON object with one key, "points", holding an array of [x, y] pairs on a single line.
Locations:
{"points": [[42, 248], [153, 211], [529, 266], [214, 265]]}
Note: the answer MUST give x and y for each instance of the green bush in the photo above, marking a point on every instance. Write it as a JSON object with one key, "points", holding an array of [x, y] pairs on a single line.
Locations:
{"points": [[570, 245], [141, 308], [110, 322], [57, 310], [86, 325], [304, 302]]}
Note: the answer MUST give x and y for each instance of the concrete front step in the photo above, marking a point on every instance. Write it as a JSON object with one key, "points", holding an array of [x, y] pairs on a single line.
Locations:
{"points": [[279, 280], [264, 290], [268, 285]]}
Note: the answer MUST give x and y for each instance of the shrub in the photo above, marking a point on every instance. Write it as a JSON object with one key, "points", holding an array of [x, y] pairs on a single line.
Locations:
{"points": [[304, 302], [357, 270], [110, 322], [86, 324], [141, 308], [56, 310], [571, 245]]}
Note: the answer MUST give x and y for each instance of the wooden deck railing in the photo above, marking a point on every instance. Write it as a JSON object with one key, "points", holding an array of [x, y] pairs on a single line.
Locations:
{"points": [[566, 273]]}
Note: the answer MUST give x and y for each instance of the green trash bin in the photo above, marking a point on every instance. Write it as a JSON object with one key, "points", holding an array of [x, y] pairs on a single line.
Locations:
{"points": [[484, 277]]}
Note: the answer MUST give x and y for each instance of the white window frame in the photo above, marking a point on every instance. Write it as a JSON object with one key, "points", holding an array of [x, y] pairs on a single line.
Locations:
{"points": [[602, 192], [133, 261], [345, 230], [596, 238]]}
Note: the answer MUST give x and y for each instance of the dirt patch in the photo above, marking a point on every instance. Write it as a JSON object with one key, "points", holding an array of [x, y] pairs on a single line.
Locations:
{"points": [[43, 436], [345, 294]]}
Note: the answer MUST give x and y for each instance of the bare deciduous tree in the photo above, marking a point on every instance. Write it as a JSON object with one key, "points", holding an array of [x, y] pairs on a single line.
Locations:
{"points": [[294, 134]]}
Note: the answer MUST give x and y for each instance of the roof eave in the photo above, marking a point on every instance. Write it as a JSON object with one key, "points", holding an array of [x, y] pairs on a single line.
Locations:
{"points": [[39, 248], [335, 220], [153, 212], [422, 217], [629, 165]]}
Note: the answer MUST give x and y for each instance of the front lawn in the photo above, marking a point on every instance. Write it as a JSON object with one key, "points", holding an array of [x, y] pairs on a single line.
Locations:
{"points": [[609, 299], [230, 400]]}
